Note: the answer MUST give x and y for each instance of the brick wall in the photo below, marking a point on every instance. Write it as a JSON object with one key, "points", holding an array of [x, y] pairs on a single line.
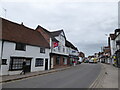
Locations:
{"points": [[61, 62]]}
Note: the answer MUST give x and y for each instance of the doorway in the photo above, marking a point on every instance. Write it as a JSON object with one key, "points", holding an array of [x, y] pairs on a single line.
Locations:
{"points": [[46, 64], [28, 64]]}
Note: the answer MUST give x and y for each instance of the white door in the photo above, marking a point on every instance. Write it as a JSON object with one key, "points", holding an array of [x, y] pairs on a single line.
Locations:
{"points": [[52, 62]]}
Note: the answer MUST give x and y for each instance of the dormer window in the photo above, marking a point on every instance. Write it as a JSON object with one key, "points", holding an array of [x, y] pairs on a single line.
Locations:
{"points": [[20, 46]]}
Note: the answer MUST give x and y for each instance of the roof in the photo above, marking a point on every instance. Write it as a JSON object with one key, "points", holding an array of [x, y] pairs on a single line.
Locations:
{"points": [[117, 30], [112, 36], [19, 33], [49, 33], [69, 44], [56, 33]]}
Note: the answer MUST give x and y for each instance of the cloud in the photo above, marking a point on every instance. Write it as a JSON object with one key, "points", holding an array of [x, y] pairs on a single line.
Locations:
{"points": [[58, 1], [85, 23], [91, 48]]}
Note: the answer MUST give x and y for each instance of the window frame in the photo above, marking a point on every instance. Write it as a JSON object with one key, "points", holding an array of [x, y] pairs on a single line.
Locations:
{"points": [[63, 49], [59, 48], [58, 60], [5, 62], [42, 50], [39, 65], [17, 63], [64, 60], [20, 47]]}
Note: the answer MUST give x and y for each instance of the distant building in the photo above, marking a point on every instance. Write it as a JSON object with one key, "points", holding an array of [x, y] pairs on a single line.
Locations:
{"points": [[106, 54], [81, 56], [115, 47]]}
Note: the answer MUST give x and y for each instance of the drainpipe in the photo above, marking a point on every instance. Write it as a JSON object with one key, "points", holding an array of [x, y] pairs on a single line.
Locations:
{"points": [[1, 52], [50, 52]]}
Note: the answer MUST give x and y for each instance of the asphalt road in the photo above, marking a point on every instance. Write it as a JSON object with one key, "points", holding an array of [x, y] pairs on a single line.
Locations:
{"points": [[81, 76]]}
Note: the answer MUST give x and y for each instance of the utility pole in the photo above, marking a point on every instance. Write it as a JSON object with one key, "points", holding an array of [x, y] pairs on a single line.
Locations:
{"points": [[101, 49], [107, 38]]}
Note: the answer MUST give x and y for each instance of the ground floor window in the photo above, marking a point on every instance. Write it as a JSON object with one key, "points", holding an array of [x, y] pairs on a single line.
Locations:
{"points": [[39, 62], [4, 61], [58, 60], [16, 63], [65, 60]]}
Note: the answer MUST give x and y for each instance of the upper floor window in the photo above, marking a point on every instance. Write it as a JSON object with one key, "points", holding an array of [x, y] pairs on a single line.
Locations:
{"points": [[67, 50], [63, 49], [59, 48], [20, 46], [42, 50]]}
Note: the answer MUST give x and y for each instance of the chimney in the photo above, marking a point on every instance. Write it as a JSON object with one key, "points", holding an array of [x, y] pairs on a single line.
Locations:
{"points": [[22, 23]]}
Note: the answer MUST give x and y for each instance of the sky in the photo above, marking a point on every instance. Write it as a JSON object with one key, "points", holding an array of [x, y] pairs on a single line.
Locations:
{"points": [[85, 22]]}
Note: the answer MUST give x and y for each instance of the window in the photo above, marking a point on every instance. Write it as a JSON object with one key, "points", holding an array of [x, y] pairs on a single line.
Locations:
{"points": [[4, 61], [39, 62], [65, 60], [59, 48], [58, 60], [67, 50], [20, 46], [16, 63], [42, 50], [63, 49]]}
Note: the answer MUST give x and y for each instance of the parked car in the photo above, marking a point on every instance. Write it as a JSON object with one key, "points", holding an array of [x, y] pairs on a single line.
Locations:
{"points": [[86, 61], [95, 60], [91, 61]]}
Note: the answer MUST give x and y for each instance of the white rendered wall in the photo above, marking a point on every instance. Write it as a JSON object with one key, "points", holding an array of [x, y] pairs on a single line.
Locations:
{"points": [[75, 53], [0, 48], [119, 14], [61, 43], [0, 56], [112, 43], [117, 38], [31, 51]]}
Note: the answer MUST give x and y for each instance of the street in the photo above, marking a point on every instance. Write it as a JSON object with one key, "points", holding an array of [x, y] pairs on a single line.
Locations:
{"points": [[81, 76]]}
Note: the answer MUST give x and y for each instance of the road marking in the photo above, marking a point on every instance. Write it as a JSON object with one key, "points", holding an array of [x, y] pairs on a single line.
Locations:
{"points": [[98, 79]]}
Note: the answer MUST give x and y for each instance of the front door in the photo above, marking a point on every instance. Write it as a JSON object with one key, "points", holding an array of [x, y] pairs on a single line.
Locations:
{"points": [[51, 63], [28, 64], [46, 64]]}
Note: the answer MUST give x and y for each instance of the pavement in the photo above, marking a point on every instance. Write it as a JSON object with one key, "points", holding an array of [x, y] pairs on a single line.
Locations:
{"points": [[111, 77], [108, 77], [9, 78]]}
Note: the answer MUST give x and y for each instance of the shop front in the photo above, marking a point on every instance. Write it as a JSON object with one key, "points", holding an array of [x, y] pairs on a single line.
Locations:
{"points": [[58, 60], [118, 58]]}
